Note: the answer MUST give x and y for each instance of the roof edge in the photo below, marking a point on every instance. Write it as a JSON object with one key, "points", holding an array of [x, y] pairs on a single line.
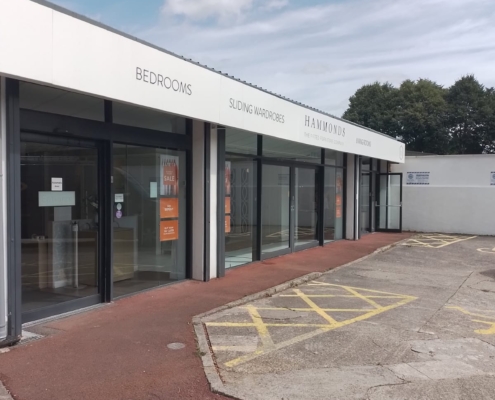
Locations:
{"points": [[81, 17]]}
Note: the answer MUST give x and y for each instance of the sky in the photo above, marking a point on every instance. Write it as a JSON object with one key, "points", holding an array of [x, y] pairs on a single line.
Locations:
{"points": [[314, 51]]}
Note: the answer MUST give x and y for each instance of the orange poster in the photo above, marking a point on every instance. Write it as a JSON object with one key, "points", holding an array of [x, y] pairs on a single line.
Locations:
{"points": [[227, 224], [169, 207], [227, 205], [169, 230], [227, 177], [169, 175], [338, 206]]}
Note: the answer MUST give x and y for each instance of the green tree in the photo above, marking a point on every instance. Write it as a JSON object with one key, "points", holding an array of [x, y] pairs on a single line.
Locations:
{"points": [[490, 123], [421, 112], [471, 115], [373, 106], [427, 117]]}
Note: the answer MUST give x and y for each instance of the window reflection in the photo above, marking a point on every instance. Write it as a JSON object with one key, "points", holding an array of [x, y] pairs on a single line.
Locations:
{"points": [[240, 210], [148, 218], [333, 204]]}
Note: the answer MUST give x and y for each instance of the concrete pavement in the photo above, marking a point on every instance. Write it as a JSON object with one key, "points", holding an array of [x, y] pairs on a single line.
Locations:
{"points": [[119, 351], [416, 322]]}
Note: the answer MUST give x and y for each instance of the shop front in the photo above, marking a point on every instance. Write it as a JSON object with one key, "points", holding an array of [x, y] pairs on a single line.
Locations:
{"points": [[102, 204], [280, 197], [124, 168]]}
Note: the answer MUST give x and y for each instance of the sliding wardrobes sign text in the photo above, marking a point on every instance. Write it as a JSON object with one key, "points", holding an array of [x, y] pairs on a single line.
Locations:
{"points": [[120, 68]]}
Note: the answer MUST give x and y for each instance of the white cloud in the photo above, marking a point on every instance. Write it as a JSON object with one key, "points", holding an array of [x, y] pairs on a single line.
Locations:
{"points": [[320, 54], [275, 4], [203, 9]]}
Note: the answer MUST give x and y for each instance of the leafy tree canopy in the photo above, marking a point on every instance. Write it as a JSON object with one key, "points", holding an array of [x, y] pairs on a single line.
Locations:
{"points": [[428, 117]]}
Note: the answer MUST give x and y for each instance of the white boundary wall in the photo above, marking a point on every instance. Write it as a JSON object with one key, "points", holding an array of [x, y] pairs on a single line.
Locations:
{"points": [[43, 45], [458, 199]]}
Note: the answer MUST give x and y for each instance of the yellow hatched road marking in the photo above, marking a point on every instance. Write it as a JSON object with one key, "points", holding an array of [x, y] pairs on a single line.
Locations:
{"points": [[388, 294], [456, 241], [315, 307], [267, 344], [490, 322], [487, 250], [359, 295], [464, 311], [489, 331], [250, 324], [310, 309], [343, 295], [260, 326], [436, 241], [261, 351]]}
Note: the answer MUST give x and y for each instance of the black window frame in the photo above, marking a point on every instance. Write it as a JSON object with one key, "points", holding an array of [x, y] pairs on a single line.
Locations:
{"points": [[62, 128]]}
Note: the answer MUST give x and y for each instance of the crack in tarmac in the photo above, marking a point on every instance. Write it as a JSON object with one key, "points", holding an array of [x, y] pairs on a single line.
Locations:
{"points": [[384, 385], [448, 300]]}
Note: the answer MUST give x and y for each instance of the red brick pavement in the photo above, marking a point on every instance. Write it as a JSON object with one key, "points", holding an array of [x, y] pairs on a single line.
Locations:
{"points": [[120, 352]]}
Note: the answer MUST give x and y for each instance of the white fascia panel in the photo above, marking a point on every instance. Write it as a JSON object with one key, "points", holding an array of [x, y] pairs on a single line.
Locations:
{"points": [[48, 46]]}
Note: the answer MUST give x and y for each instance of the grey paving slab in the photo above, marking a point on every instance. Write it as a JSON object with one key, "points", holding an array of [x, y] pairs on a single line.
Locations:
{"points": [[400, 324], [474, 388]]}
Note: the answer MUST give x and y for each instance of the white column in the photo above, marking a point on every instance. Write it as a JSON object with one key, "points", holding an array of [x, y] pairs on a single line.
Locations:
{"points": [[213, 200], [3, 213], [351, 193], [198, 195]]}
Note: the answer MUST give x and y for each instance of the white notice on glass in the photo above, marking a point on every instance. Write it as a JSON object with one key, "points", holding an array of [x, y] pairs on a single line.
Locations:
{"points": [[119, 197], [57, 184], [153, 190], [492, 178]]}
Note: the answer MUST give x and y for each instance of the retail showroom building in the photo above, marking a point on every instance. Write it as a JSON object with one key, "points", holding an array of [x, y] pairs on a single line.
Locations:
{"points": [[125, 167]]}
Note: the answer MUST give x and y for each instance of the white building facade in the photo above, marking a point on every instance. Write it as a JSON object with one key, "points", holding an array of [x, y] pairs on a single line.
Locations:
{"points": [[125, 167]]}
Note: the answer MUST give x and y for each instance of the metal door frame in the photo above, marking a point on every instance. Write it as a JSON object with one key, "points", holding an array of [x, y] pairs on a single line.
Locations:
{"points": [[292, 181], [289, 249], [77, 303], [378, 205], [320, 219]]}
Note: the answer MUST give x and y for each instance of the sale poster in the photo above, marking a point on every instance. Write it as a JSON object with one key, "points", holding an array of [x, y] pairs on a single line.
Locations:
{"points": [[338, 197], [227, 205], [169, 230], [227, 224], [339, 183], [169, 207], [228, 166], [169, 175]]}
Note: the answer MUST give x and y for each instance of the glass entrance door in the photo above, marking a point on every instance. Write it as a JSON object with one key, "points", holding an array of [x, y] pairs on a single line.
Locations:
{"points": [[289, 209], [305, 207], [149, 217], [364, 203], [277, 206], [389, 203], [59, 225]]}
